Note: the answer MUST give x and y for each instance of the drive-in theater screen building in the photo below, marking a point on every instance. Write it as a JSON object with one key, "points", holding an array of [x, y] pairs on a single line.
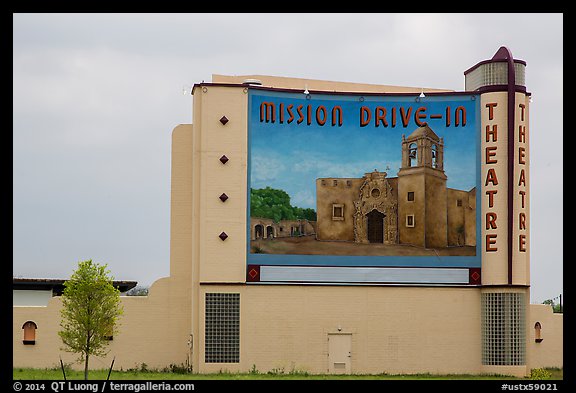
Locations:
{"points": [[335, 227]]}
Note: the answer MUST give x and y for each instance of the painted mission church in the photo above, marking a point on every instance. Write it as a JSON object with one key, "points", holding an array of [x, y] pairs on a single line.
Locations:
{"points": [[413, 208]]}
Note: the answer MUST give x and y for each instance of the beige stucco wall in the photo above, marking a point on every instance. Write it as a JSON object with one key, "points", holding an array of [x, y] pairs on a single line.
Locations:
{"points": [[214, 140], [549, 352], [394, 329], [153, 330]]}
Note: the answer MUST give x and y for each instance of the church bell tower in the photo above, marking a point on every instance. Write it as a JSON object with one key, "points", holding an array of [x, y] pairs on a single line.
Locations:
{"points": [[422, 219]]}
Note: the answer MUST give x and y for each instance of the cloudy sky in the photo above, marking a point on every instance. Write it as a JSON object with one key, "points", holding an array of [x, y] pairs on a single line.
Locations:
{"points": [[96, 96]]}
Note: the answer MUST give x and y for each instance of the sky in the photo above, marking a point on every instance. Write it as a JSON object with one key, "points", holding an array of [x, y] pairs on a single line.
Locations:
{"points": [[96, 97]]}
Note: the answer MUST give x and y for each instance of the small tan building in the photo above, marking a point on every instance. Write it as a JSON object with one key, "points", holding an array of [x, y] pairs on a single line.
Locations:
{"points": [[220, 309], [267, 228]]}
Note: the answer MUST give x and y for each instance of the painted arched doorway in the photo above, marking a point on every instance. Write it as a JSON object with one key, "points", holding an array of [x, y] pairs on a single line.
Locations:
{"points": [[375, 226], [258, 231]]}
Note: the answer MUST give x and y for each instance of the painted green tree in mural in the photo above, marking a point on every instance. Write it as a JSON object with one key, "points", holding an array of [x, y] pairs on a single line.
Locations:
{"points": [[275, 204], [90, 311]]}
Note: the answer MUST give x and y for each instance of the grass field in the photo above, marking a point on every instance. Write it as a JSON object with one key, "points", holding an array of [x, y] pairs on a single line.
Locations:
{"points": [[56, 374]]}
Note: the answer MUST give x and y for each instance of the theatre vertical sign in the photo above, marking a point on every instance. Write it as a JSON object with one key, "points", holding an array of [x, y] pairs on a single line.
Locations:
{"points": [[505, 189], [494, 187], [520, 197]]}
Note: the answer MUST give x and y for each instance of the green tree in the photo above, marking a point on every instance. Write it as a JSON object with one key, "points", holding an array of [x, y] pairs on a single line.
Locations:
{"points": [[90, 311], [308, 214], [555, 307], [275, 204]]}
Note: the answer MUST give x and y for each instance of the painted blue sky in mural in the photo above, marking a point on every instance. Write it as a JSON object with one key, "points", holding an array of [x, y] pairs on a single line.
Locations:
{"points": [[291, 155]]}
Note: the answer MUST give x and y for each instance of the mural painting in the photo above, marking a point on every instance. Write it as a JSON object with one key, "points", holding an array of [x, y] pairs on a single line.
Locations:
{"points": [[363, 176]]}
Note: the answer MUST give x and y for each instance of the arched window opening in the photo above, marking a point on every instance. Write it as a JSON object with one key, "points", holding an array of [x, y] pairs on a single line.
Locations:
{"points": [[538, 332], [412, 155], [29, 333], [259, 231], [269, 232], [434, 156]]}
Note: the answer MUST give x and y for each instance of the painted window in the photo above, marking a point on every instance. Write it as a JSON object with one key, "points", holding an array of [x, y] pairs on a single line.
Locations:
{"points": [[410, 196], [410, 220], [337, 211], [29, 333]]}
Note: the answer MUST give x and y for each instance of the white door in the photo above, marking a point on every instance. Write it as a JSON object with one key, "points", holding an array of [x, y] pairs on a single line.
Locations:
{"points": [[340, 353]]}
